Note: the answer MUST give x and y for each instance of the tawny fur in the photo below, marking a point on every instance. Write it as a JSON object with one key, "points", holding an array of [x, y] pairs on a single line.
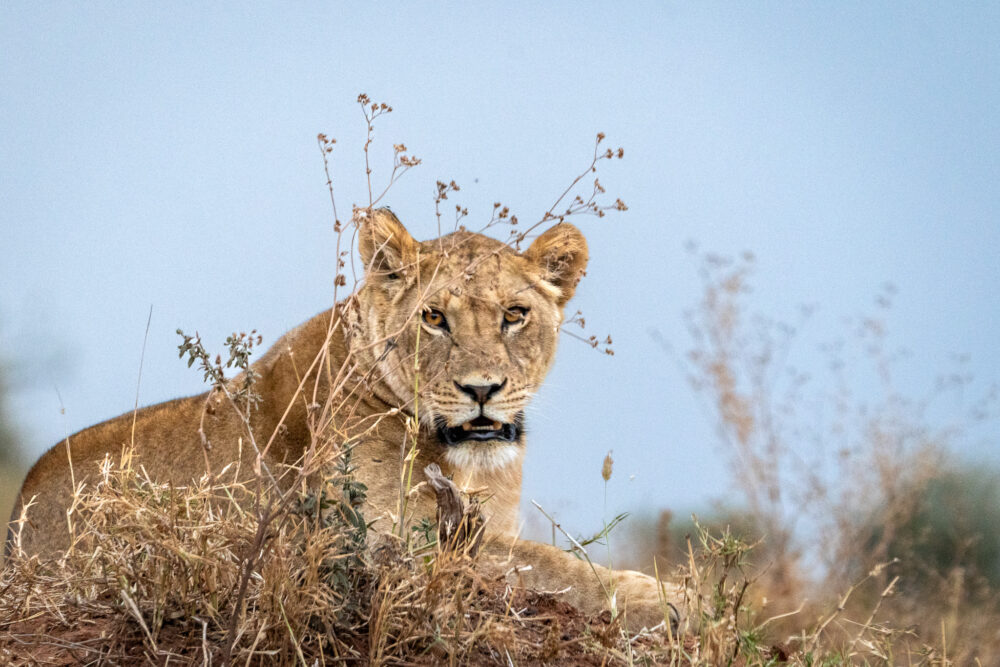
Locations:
{"points": [[472, 281]]}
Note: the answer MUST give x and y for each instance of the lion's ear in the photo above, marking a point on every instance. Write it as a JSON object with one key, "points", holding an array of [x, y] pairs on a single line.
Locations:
{"points": [[386, 247], [561, 252]]}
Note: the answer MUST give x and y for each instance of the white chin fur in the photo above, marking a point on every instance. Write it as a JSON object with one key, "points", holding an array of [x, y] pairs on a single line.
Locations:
{"points": [[480, 456]]}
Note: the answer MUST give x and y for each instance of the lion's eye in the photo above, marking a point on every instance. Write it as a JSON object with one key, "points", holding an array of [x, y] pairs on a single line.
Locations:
{"points": [[435, 318], [514, 315]]}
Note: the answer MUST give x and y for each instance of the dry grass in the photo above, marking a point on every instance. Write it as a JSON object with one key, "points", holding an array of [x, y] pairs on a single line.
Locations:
{"points": [[154, 573]]}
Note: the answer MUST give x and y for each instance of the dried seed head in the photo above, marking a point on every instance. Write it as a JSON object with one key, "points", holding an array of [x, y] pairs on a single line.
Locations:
{"points": [[606, 468]]}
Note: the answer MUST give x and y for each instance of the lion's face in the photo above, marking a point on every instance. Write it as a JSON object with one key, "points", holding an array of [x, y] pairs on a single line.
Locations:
{"points": [[463, 328]]}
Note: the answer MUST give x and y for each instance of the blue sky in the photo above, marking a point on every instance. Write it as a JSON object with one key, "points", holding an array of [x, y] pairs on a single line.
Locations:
{"points": [[165, 155]]}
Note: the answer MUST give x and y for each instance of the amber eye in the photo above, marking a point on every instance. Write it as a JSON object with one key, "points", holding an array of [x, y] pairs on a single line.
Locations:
{"points": [[514, 315], [435, 318]]}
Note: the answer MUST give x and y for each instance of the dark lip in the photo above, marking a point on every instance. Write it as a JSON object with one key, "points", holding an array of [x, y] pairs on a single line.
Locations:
{"points": [[454, 435]]}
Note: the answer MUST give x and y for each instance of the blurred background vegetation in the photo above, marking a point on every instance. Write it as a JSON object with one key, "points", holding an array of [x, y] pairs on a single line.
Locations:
{"points": [[12, 465], [845, 489]]}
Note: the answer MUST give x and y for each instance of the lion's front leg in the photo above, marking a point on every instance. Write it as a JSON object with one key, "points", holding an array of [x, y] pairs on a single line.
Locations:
{"points": [[592, 589]]}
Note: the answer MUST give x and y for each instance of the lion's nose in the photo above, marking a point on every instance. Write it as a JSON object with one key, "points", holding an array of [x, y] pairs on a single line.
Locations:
{"points": [[480, 392]]}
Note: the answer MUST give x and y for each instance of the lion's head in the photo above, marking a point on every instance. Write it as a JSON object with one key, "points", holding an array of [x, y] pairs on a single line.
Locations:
{"points": [[462, 329]]}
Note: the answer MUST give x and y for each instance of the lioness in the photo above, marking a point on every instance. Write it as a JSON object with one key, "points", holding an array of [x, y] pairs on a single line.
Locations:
{"points": [[460, 329]]}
